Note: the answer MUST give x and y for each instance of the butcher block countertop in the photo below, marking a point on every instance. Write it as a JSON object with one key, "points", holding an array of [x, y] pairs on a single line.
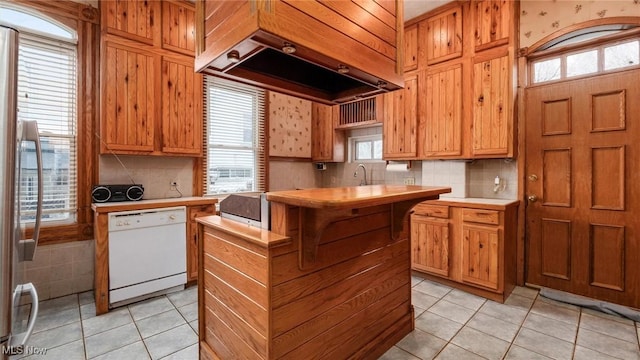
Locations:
{"points": [[476, 203], [355, 196], [151, 204]]}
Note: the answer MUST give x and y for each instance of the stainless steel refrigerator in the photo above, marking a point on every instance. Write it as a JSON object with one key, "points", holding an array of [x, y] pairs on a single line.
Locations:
{"points": [[18, 299]]}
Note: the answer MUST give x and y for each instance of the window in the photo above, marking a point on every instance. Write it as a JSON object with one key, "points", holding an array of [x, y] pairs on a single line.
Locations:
{"points": [[365, 148], [611, 56], [234, 122], [47, 93]]}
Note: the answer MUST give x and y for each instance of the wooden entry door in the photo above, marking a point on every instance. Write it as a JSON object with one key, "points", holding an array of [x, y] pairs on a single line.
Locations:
{"points": [[583, 185]]}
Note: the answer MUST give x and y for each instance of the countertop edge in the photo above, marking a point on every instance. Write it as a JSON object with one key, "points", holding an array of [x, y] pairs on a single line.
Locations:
{"points": [[475, 203], [261, 237], [151, 204]]}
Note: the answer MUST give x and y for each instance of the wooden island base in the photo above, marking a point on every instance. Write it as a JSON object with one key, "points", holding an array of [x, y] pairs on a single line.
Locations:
{"points": [[329, 281]]}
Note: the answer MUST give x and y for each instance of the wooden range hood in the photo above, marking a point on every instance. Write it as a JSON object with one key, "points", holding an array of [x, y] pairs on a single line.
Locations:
{"points": [[324, 51]]}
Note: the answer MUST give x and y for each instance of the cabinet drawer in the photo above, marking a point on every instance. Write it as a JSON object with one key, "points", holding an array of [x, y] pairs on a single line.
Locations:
{"points": [[481, 216], [439, 211]]}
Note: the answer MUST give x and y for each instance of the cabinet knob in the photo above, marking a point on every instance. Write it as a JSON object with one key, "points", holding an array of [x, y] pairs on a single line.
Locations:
{"points": [[532, 198], [533, 177]]}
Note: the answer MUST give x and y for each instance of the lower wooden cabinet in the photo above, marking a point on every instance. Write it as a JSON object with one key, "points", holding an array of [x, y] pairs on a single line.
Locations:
{"points": [[466, 246], [192, 237]]}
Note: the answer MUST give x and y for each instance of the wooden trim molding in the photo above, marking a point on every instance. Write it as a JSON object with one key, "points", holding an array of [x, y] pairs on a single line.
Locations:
{"points": [[84, 19]]}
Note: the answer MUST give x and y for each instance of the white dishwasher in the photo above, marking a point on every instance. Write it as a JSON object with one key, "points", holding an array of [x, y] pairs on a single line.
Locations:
{"points": [[147, 252]]}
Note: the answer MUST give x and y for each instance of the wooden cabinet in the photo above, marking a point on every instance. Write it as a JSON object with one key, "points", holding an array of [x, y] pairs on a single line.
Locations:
{"points": [[129, 105], [134, 19], [430, 240], [181, 107], [289, 122], [152, 99], [492, 109], [493, 23], [442, 36], [401, 121], [466, 245], [440, 126], [411, 47], [193, 237], [466, 90], [327, 144], [178, 27]]}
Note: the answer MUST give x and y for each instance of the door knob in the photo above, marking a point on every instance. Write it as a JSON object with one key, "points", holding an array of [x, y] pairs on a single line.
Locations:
{"points": [[533, 177], [532, 198]]}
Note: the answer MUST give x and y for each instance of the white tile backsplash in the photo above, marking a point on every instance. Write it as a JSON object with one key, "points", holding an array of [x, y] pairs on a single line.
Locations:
{"points": [[482, 174], [287, 175], [452, 173]]}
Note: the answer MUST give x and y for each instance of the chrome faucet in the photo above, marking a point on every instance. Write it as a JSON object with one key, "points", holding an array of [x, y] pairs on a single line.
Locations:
{"points": [[355, 174]]}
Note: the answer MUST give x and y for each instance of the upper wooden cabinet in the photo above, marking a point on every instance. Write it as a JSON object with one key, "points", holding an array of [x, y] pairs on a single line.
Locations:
{"points": [[249, 41], [152, 98], [129, 98], [466, 90], [492, 110], [178, 27], [181, 107], [134, 19], [442, 35], [401, 121], [493, 23], [440, 123], [411, 47], [327, 144]]}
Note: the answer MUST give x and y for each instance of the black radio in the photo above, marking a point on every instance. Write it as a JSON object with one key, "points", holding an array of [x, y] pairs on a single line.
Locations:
{"points": [[110, 193]]}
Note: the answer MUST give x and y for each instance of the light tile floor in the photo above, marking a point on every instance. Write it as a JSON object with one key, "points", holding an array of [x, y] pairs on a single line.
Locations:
{"points": [[450, 324]]}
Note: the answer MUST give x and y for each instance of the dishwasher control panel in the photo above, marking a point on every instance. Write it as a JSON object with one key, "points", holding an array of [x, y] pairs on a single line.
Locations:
{"points": [[136, 219]]}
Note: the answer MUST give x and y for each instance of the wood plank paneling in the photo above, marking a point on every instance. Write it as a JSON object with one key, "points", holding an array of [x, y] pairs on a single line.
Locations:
{"points": [[225, 340], [492, 24], [136, 20], [181, 107], [232, 251], [411, 47], [440, 123], [178, 27], [443, 36]]}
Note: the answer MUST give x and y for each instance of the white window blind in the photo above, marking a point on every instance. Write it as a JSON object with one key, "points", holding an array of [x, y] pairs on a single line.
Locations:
{"points": [[234, 137], [47, 94]]}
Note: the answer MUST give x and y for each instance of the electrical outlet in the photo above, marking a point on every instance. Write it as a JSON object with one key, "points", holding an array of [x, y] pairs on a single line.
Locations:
{"points": [[409, 181]]}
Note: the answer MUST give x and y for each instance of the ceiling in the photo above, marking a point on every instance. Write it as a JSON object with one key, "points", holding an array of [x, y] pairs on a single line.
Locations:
{"points": [[413, 8]]}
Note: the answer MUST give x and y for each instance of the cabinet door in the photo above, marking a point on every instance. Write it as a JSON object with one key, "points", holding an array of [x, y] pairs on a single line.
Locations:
{"points": [[492, 113], [129, 99], [134, 19], [192, 238], [401, 120], [480, 255], [430, 245], [443, 36], [289, 126], [178, 27], [440, 130], [411, 47], [327, 144], [181, 107], [492, 23]]}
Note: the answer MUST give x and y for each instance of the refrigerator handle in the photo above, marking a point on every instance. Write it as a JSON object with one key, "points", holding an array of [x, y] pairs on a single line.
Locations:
{"points": [[31, 133], [20, 340]]}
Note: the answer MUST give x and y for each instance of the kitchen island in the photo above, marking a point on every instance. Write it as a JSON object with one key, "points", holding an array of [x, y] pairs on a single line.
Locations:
{"points": [[331, 279]]}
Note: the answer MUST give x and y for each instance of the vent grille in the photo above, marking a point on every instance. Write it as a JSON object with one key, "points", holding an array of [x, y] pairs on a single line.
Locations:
{"points": [[359, 113]]}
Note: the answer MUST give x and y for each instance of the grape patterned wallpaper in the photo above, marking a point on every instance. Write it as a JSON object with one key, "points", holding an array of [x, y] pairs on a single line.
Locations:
{"points": [[539, 18]]}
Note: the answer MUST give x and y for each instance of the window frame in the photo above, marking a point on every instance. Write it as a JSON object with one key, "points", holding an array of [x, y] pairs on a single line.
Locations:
{"points": [[84, 20], [597, 44], [352, 152], [260, 179]]}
